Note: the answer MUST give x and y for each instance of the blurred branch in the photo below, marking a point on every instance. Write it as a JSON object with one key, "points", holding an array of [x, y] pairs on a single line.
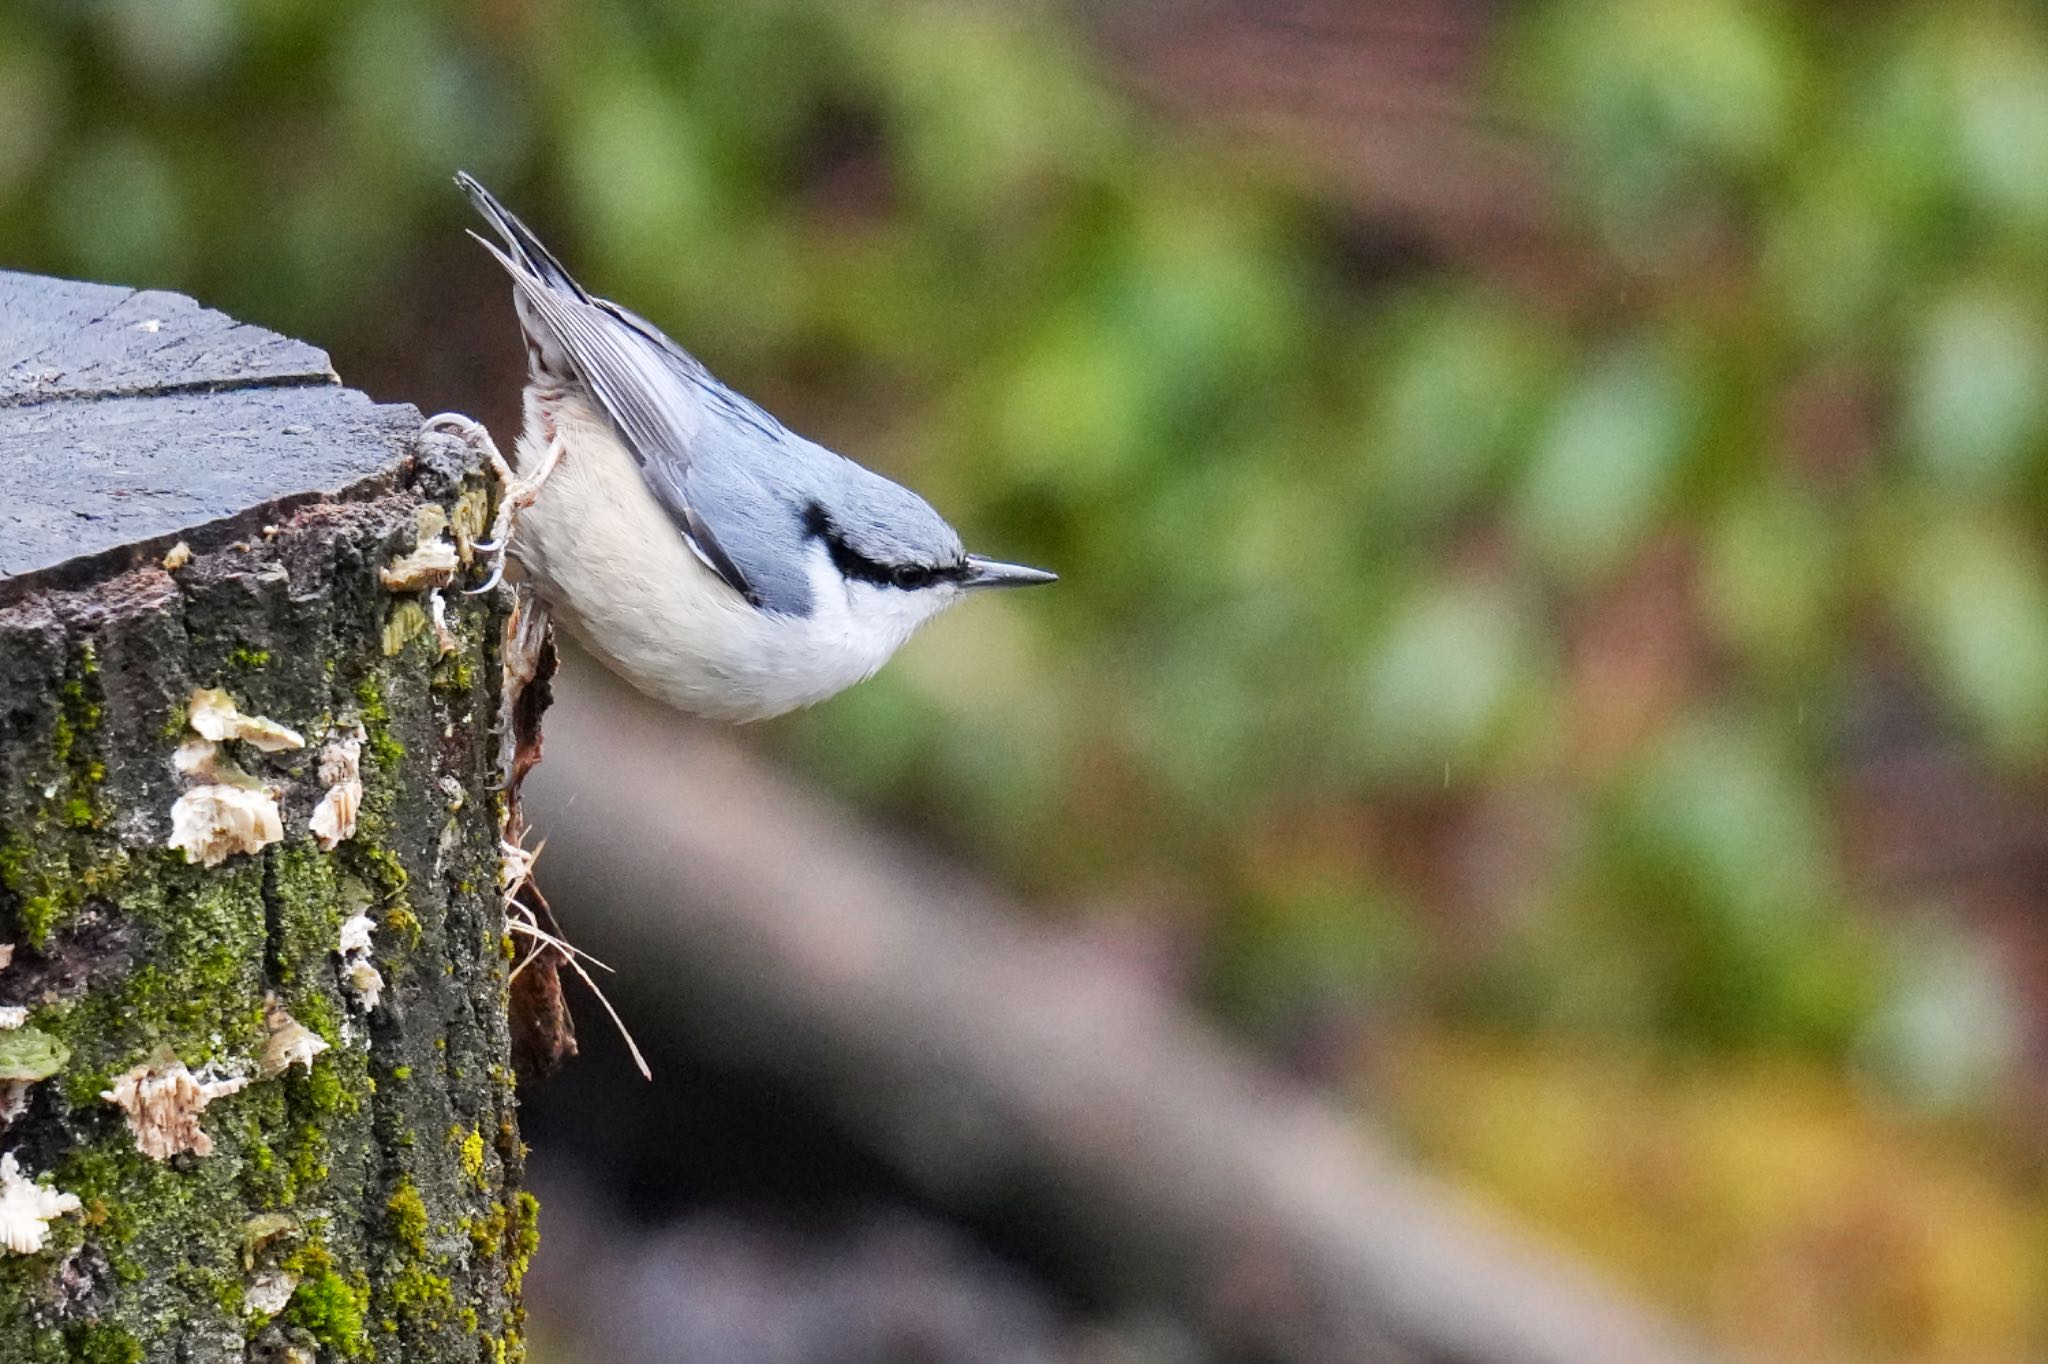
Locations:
{"points": [[991, 1060]]}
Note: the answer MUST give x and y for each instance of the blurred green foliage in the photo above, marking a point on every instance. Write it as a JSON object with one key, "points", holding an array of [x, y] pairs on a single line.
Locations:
{"points": [[1437, 648]]}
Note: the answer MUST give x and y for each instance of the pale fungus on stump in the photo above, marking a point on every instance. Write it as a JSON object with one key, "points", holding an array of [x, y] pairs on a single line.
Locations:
{"points": [[256, 1088]]}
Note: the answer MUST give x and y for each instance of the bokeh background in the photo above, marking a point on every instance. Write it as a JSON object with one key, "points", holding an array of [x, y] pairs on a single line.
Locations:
{"points": [[1553, 639]]}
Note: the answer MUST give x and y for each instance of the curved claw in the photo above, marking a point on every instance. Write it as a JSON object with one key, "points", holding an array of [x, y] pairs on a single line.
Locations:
{"points": [[497, 576], [486, 546]]}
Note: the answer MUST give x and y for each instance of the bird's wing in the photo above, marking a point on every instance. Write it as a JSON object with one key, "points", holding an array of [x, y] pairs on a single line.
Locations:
{"points": [[653, 391]]}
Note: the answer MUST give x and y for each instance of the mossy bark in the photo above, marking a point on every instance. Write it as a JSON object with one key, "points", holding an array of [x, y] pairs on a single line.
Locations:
{"points": [[365, 1206]]}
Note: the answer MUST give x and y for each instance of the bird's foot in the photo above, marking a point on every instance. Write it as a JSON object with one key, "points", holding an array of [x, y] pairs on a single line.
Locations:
{"points": [[471, 432], [514, 495]]}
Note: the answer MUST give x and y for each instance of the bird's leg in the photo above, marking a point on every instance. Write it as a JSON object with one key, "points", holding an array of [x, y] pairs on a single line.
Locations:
{"points": [[523, 492], [515, 497], [515, 494]]}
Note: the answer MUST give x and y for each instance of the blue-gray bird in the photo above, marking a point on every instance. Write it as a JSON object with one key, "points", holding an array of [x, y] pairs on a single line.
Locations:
{"points": [[709, 555]]}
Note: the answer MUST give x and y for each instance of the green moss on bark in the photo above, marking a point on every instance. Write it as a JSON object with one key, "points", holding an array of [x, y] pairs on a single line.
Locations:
{"points": [[125, 948]]}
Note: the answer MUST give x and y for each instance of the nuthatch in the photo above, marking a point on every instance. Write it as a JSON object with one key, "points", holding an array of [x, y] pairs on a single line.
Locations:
{"points": [[709, 555]]}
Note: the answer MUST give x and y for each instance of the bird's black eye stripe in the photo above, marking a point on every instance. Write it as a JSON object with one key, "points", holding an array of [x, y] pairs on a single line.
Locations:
{"points": [[851, 563]]}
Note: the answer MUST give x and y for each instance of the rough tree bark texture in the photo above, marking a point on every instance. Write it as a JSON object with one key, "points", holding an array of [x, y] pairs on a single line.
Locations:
{"points": [[324, 1164]]}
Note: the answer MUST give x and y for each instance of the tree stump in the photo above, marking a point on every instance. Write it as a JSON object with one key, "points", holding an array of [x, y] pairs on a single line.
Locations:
{"points": [[254, 1064]]}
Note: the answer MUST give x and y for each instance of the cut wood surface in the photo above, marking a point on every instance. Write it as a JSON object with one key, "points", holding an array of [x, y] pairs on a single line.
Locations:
{"points": [[994, 1062], [255, 1093], [130, 420]]}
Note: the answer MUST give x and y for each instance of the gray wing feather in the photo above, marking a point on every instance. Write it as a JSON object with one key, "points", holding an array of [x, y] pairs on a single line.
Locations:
{"points": [[655, 409], [652, 391]]}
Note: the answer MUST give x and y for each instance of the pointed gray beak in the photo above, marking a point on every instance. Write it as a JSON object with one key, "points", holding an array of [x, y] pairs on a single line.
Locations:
{"points": [[988, 573]]}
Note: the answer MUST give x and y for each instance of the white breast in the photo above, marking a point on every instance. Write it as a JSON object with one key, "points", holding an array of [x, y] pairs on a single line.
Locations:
{"points": [[612, 566]]}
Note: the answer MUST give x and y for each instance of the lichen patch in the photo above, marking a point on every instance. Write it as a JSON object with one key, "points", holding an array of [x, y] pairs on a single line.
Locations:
{"points": [[197, 758], [28, 1053], [212, 713], [291, 1043], [431, 565], [365, 983], [433, 561], [27, 1209], [164, 1099], [265, 1293], [408, 619], [262, 1231], [203, 760], [210, 824], [334, 818], [230, 811]]}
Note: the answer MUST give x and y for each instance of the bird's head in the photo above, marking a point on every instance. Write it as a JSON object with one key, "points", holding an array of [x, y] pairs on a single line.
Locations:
{"points": [[896, 561]]}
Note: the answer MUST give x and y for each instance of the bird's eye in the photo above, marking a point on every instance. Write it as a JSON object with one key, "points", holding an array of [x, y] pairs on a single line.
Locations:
{"points": [[910, 576]]}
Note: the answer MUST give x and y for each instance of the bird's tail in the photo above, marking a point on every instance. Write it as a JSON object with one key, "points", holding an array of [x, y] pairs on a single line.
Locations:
{"points": [[540, 286], [524, 250]]}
